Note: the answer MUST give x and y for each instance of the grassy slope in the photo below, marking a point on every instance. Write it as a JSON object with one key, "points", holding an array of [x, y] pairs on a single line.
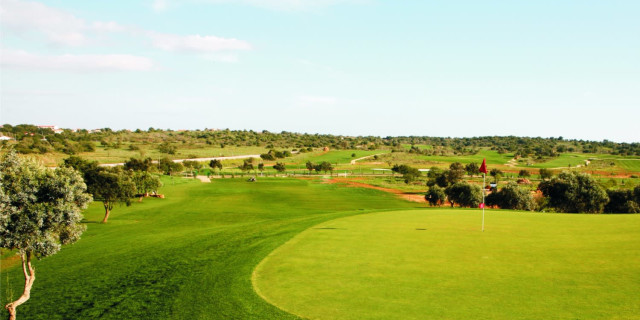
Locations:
{"points": [[189, 256], [493, 157], [525, 266], [123, 154], [334, 156]]}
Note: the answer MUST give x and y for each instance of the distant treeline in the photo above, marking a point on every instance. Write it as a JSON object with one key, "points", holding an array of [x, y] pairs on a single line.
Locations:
{"points": [[32, 139]]}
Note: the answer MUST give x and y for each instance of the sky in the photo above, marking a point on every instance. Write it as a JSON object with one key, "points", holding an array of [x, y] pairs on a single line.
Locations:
{"points": [[457, 68]]}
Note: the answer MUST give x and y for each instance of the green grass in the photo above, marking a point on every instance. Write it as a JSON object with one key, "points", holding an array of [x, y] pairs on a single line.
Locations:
{"points": [[436, 264], [424, 161], [492, 156], [632, 165], [189, 256]]}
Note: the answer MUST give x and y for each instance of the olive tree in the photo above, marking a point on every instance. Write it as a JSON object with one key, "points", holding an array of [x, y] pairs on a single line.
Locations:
{"points": [[215, 163], [435, 196], [113, 186], [280, 167], [108, 185], [464, 194], [40, 210], [574, 192], [512, 196], [146, 182]]}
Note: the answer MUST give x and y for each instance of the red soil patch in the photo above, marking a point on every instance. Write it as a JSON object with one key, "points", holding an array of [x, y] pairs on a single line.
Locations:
{"points": [[351, 183]]}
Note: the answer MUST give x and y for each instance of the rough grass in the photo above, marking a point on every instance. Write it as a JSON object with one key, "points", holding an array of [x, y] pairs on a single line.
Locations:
{"points": [[436, 264], [333, 156], [189, 256]]}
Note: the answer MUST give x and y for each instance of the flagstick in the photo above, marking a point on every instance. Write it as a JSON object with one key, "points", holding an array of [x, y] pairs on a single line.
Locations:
{"points": [[484, 175]]}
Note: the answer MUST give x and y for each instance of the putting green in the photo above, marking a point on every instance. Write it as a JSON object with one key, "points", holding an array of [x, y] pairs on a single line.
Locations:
{"points": [[436, 264]]}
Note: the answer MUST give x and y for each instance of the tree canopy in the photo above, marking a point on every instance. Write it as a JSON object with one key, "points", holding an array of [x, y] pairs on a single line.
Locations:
{"points": [[464, 194], [40, 210], [574, 192]]}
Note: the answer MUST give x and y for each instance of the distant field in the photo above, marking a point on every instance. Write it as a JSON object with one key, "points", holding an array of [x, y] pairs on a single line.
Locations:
{"points": [[629, 164], [436, 264], [335, 156], [419, 146], [424, 161], [107, 155]]}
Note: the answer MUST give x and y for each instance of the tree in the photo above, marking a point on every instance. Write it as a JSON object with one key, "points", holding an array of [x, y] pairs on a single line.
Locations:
{"points": [[138, 164], [167, 148], [513, 197], [472, 169], [324, 166], [545, 174], [455, 173], [621, 201], [524, 173], [310, 166], [261, 167], [109, 185], [280, 167], [247, 165], [146, 182], [215, 163], [112, 186], [496, 174], [40, 210], [409, 174], [574, 192], [435, 196], [464, 194], [168, 167]]}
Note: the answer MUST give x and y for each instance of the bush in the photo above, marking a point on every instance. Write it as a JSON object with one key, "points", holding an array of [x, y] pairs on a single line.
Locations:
{"points": [[464, 194], [621, 201], [574, 192], [524, 173], [512, 196], [435, 196]]}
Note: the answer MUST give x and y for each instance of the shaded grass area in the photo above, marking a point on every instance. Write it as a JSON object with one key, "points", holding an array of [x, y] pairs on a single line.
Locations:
{"points": [[436, 264], [189, 256]]}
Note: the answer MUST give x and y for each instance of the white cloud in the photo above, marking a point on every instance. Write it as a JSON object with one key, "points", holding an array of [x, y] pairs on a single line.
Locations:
{"points": [[196, 43], [58, 26], [64, 28], [75, 63]]}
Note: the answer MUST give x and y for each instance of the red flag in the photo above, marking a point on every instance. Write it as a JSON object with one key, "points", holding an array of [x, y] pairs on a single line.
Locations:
{"points": [[483, 167]]}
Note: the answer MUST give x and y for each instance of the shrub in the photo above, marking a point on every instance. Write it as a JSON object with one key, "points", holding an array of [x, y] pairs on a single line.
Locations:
{"points": [[574, 192], [621, 201], [514, 197], [464, 194], [435, 196]]}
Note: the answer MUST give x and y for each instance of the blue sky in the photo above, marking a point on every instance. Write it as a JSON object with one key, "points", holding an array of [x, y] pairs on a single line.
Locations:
{"points": [[353, 67]]}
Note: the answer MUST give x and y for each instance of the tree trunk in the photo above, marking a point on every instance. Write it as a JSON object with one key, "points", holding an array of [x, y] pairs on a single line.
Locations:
{"points": [[106, 213], [29, 278]]}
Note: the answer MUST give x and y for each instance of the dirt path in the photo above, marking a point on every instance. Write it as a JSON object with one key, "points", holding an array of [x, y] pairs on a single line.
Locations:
{"points": [[353, 162], [512, 163], [407, 196], [203, 178]]}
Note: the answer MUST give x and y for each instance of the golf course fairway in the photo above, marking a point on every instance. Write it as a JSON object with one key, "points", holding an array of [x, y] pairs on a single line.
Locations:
{"points": [[437, 264]]}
